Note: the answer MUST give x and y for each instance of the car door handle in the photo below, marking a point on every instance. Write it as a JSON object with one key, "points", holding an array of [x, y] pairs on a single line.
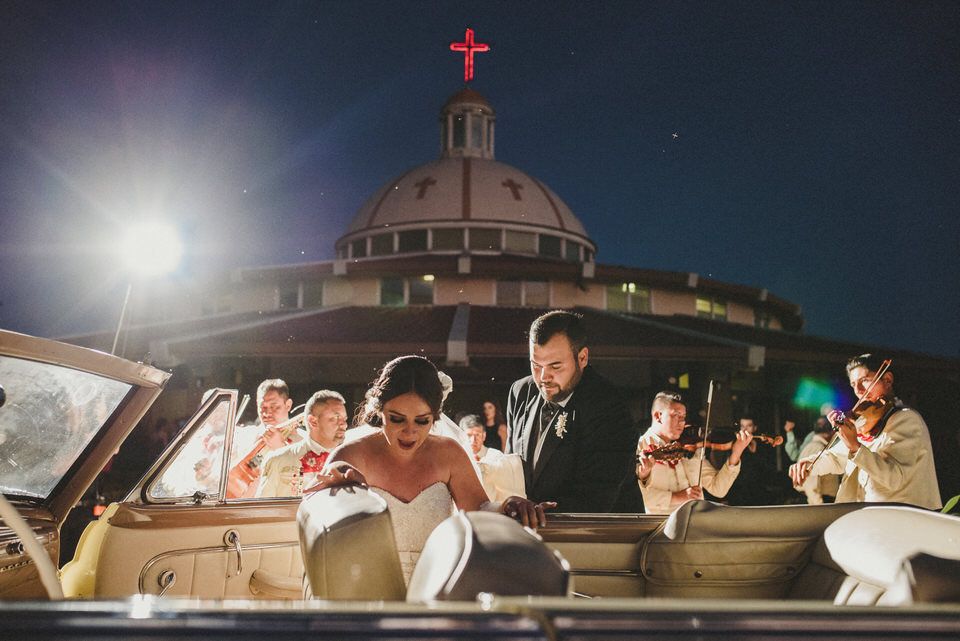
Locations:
{"points": [[166, 579], [232, 537]]}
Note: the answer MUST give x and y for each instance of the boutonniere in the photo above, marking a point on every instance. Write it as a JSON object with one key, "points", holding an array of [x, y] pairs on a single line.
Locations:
{"points": [[561, 426]]}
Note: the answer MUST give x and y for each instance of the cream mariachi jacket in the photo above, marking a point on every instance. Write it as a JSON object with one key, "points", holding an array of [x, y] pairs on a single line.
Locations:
{"points": [[667, 478], [281, 469], [895, 466]]}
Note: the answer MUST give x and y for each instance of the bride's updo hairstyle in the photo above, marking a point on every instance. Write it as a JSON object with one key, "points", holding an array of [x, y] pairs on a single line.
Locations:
{"points": [[400, 376]]}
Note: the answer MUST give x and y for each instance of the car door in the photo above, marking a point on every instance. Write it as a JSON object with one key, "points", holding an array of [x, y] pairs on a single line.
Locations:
{"points": [[177, 534]]}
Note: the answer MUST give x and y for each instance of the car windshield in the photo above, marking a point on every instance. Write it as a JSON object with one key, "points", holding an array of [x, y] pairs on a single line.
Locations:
{"points": [[50, 416]]}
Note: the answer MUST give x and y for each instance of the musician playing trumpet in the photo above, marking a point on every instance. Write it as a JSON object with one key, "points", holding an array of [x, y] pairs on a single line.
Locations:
{"points": [[882, 448], [666, 484]]}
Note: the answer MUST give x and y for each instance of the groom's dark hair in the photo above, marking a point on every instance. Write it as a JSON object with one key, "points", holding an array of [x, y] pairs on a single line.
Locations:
{"points": [[559, 321]]}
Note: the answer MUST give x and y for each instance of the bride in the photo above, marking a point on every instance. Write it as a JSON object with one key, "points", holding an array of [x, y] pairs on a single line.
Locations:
{"points": [[421, 476]]}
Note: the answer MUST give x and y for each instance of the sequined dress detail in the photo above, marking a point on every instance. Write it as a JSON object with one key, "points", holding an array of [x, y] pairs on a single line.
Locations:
{"points": [[414, 521]]}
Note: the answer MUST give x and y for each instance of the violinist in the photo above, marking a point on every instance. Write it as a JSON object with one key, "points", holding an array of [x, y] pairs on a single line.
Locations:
{"points": [[666, 484], [882, 448]]}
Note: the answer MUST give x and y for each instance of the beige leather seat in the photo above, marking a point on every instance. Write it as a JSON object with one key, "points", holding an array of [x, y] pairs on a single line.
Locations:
{"points": [[474, 552], [349, 551], [895, 554], [709, 550]]}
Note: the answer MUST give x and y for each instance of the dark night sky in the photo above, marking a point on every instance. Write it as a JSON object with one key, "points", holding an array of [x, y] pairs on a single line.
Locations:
{"points": [[816, 151]]}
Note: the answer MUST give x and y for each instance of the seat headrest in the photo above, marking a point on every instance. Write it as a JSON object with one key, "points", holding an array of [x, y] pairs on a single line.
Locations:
{"points": [[474, 552], [707, 521], [872, 544]]}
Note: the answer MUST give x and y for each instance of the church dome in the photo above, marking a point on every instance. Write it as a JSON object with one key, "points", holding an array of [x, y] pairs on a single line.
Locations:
{"points": [[466, 200]]}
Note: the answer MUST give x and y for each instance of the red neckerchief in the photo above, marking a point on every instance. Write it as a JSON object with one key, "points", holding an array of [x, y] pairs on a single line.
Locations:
{"points": [[313, 462]]}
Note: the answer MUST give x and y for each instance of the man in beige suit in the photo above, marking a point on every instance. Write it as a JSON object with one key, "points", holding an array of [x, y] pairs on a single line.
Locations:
{"points": [[891, 460]]}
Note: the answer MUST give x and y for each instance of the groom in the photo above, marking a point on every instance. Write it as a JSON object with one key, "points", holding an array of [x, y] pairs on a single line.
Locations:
{"points": [[568, 423]]}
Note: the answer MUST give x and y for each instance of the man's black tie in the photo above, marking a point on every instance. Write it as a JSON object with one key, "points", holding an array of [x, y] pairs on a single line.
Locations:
{"points": [[547, 413]]}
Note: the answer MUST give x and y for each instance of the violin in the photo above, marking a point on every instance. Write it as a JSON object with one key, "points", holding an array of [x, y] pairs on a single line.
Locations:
{"points": [[691, 440], [868, 415]]}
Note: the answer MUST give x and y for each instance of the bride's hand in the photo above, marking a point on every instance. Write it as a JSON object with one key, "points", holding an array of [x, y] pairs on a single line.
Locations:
{"points": [[528, 513], [338, 475]]}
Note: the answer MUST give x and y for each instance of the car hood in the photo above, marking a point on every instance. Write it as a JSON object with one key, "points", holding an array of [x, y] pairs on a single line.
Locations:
{"points": [[65, 411]]}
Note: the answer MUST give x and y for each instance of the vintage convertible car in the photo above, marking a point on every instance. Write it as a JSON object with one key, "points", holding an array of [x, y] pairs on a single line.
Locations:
{"points": [[178, 559]]}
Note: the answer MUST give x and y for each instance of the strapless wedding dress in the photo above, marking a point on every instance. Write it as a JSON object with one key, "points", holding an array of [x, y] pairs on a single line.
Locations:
{"points": [[414, 521]]}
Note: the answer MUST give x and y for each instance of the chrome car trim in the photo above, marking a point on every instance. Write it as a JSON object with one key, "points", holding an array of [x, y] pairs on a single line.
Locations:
{"points": [[207, 550]]}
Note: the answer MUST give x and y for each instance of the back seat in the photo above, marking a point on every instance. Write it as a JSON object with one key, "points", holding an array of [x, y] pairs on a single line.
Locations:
{"points": [[848, 553]]}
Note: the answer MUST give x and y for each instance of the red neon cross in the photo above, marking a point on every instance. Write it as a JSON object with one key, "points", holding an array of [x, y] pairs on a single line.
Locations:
{"points": [[468, 47]]}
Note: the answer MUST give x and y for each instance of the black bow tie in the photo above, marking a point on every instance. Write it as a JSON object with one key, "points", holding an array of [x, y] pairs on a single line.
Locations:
{"points": [[548, 411]]}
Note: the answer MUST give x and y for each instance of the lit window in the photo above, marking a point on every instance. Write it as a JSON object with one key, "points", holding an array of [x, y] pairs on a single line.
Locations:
{"points": [[628, 297], [617, 298], [711, 308]]}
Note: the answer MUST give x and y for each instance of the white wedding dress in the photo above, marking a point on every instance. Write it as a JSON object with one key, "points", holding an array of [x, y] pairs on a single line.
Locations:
{"points": [[414, 521]]}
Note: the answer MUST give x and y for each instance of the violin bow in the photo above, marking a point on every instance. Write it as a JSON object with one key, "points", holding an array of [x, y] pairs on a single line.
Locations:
{"points": [[880, 372], [706, 432]]}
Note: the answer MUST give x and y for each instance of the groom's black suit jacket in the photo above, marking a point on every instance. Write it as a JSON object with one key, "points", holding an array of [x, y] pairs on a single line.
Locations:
{"points": [[583, 469]]}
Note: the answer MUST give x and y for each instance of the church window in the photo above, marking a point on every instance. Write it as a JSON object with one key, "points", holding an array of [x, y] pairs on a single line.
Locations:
{"points": [[550, 246], [522, 242], [628, 297], [358, 248], [288, 296], [391, 292], [459, 131], [224, 303], [536, 293], [617, 298], [413, 240], [510, 292], [708, 307], [313, 293], [483, 238], [476, 132], [381, 245], [421, 290], [573, 251], [447, 239]]}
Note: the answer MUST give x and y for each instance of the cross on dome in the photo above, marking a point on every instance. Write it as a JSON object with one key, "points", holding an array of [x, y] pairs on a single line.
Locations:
{"points": [[468, 47]]}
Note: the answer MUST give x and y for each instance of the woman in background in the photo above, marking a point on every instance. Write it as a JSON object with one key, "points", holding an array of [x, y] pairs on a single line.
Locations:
{"points": [[495, 425]]}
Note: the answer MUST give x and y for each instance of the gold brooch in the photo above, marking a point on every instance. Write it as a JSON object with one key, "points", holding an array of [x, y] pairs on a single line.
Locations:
{"points": [[561, 426]]}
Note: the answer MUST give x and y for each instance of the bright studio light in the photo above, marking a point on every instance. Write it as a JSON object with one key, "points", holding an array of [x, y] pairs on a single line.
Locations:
{"points": [[151, 248]]}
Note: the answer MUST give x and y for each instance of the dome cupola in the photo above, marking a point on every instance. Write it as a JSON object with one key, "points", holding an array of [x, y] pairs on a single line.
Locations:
{"points": [[466, 126], [465, 201]]}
